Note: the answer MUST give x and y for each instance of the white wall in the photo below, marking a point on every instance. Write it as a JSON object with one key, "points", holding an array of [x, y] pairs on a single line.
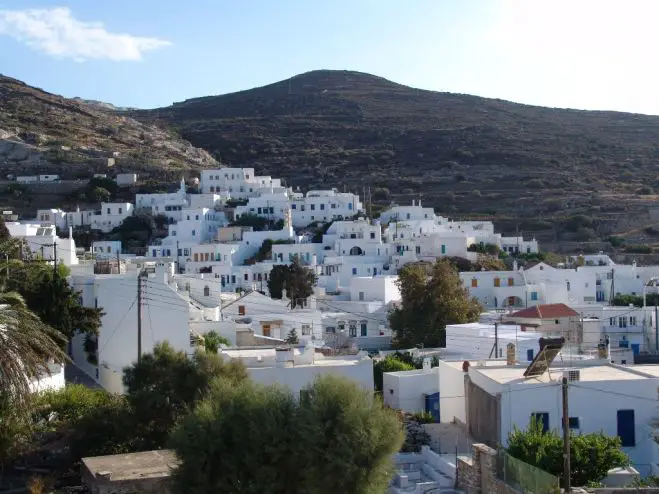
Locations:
{"points": [[451, 392], [164, 317], [404, 390], [297, 378]]}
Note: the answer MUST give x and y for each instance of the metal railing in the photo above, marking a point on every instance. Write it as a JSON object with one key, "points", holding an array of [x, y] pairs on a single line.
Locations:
{"points": [[526, 478]]}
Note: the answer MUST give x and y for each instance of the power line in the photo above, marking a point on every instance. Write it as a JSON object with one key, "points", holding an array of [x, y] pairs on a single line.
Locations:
{"points": [[118, 324]]}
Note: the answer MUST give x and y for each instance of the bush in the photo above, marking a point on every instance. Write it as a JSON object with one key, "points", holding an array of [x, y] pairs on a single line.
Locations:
{"points": [[638, 249], [592, 455], [247, 438], [423, 417], [391, 363]]}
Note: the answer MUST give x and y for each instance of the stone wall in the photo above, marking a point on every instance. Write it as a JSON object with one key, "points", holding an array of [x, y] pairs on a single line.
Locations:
{"points": [[478, 474]]}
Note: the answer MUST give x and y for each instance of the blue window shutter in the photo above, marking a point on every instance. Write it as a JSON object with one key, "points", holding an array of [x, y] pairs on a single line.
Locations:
{"points": [[529, 354]]}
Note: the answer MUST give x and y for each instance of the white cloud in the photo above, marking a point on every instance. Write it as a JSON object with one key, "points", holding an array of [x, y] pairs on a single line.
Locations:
{"points": [[56, 32]]}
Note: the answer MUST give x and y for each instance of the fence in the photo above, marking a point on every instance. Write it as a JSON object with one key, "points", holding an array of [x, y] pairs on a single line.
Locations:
{"points": [[526, 478]]}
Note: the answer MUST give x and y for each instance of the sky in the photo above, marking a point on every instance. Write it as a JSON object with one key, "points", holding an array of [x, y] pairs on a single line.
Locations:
{"points": [[585, 54]]}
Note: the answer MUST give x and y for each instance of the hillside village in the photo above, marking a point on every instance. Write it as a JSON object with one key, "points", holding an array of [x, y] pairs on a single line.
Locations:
{"points": [[581, 322]]}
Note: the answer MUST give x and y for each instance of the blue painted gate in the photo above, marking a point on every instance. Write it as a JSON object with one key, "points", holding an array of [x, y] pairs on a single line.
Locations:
{"points": [[432, 405]]}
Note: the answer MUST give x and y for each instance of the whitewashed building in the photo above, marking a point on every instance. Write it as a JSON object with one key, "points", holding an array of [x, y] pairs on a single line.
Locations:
{"points": [[298, 367]]}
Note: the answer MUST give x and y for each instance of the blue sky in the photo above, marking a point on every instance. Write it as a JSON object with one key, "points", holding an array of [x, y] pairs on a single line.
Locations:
{"points": [[146, 53]]}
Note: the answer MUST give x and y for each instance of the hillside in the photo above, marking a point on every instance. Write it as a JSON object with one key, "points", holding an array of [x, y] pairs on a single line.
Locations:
{"points": [[42, 132], [525, 167]]}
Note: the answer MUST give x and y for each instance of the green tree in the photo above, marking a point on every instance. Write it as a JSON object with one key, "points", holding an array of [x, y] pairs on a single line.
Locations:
{"points": [[212, 341], [391, 363], [591, 455], [26, 343], [258, 223], [277, 281], [429, 303], [292, 338], [253, 439], [296, 279], [165, 385], [51, 297], [99, 194]]}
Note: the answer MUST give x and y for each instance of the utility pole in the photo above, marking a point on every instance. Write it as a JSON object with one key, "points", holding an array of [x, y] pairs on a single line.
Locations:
{"points": [[566, 439], [139, 316], [55, 259], [496, 340], [178, 260]]}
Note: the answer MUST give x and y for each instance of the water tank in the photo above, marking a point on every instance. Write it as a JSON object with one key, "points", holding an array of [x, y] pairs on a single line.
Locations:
{"points": [[284, 357], [510, 354]]}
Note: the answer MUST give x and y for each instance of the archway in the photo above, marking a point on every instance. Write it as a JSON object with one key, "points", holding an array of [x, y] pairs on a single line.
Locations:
{"points": [[356, 251]]}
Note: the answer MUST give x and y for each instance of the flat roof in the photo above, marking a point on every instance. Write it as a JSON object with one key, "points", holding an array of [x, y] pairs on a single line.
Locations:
{"points": [[514, 374], [146, 464]]}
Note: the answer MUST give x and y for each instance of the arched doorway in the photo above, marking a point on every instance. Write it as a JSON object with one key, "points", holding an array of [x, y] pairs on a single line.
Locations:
{"points": [[356, 251]]}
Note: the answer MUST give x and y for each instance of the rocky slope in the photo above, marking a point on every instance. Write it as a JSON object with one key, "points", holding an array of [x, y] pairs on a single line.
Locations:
{"points": [[522, 166], [43, 132]]}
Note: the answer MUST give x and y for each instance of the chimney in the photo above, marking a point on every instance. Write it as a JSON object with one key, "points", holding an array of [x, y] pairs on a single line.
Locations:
{"points": [[510, 354], [427, 364]]}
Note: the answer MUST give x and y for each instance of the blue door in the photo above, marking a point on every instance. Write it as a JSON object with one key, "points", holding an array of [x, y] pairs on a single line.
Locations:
{"points": [[432, 405], [626, 428], [636, 348]]}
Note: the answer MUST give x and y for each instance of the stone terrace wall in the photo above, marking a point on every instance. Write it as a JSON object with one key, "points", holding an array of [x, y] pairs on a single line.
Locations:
{"points": [[478, 474]]}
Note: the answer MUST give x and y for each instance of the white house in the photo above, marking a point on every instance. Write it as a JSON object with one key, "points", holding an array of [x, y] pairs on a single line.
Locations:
{"points": [[412, 391], [111, 215], [126, 179], [617, 400], [165, 317], [107, 248], [44, 242], [237, 182], [296, 368]]}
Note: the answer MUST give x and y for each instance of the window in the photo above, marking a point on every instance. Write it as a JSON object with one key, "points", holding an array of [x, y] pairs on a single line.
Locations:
{"points": [[352, 329], [534, 295], [194, 233], [258, 210], [511, 281], [173, 233], [109, 211], [543, 418], [322, 207], [233, 279], [241, 310], [354, 270], [474, 283], [330, 329], [306, 330], [196, 217], [443, 249], [372, 235], [418, 249], [341, 325], [626, 428], [632, 320], [246, 277], [622, 322], [207, 291], [573, 423], [293, 206], [313, 207], [363, 325], [120, 210], [529, 354], [612, 321], [497, 282]]}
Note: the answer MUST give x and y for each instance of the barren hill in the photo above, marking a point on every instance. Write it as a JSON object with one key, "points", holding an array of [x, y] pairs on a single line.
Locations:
{"points": [[517, 164], [43, 132]]}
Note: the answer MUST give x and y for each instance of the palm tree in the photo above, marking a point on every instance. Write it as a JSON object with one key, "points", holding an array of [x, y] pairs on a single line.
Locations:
{"points": [[26, 346]]}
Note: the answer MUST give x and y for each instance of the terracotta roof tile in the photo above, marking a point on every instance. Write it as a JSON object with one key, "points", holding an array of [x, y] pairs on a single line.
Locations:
{"points": [[548, 311]]}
